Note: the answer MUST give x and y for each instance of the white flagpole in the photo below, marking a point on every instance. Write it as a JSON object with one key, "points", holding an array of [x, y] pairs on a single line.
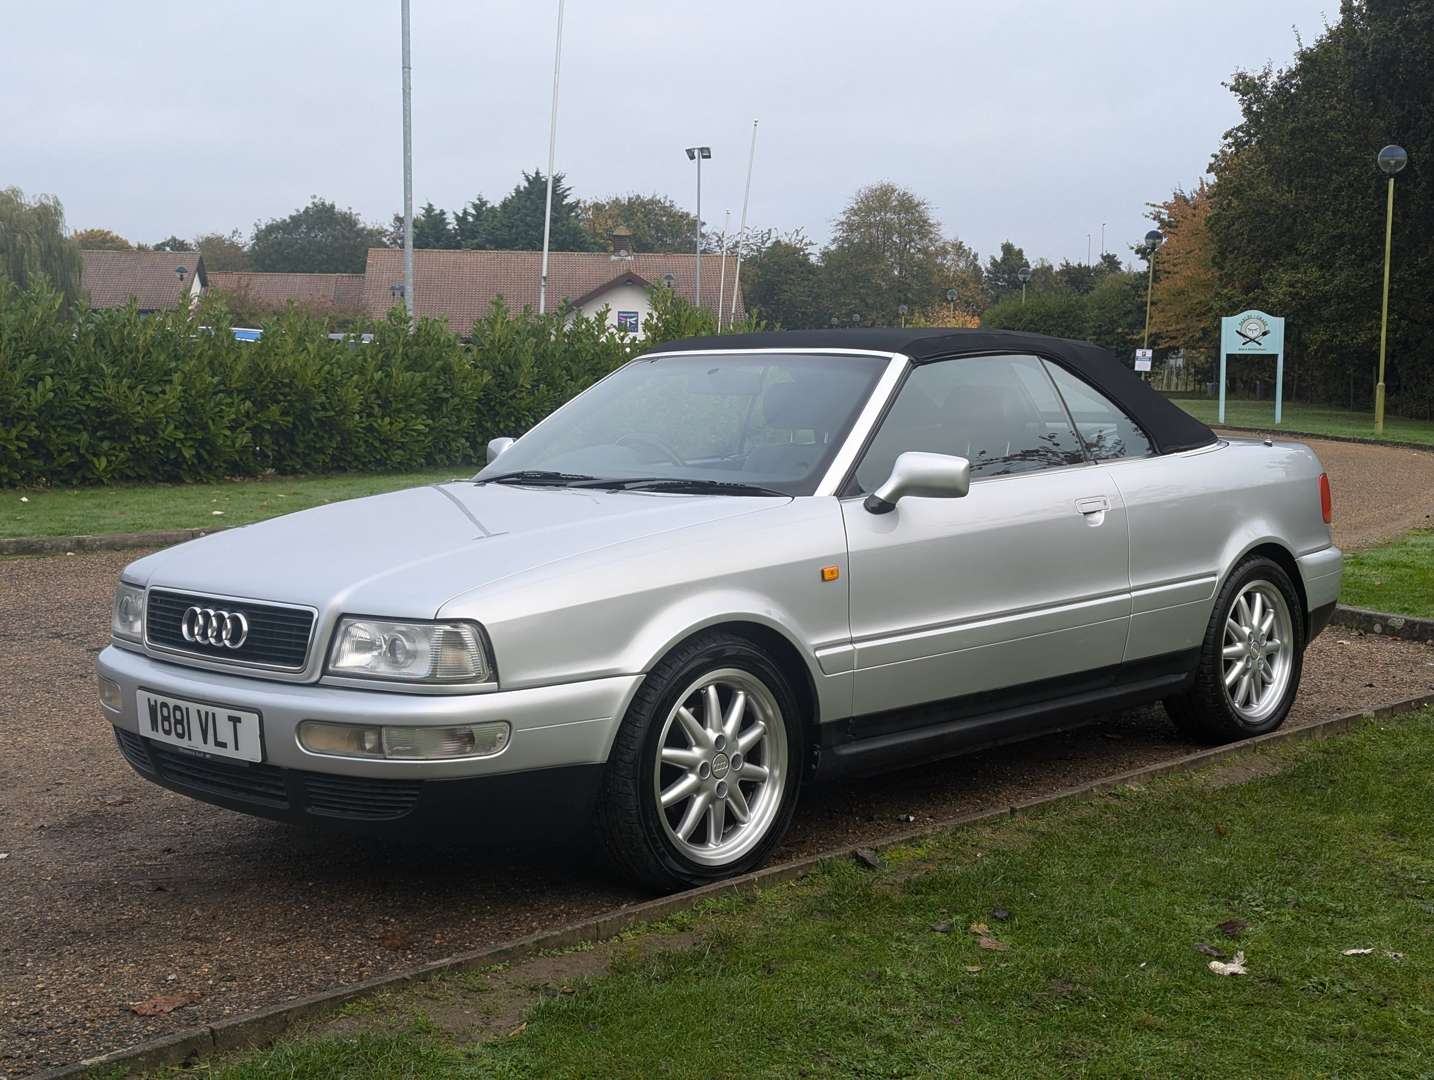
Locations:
{"points": [[552, 152], [742, 228], [722, 280]]}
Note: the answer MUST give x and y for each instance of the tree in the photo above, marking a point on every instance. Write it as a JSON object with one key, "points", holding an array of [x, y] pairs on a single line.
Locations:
{"points": [[173, 243], [1002, 280], [656, 222], [783, 284], [101, 240], [223, 251], [317, 238], [886, 251], [517, 223], [473, 225], [34, 247], [431, 228], [960, 270], [1187, 301], [1297, 214]]}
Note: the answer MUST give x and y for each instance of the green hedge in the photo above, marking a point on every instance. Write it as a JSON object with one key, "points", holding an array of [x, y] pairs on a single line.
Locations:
{"points": [[115, 396]]}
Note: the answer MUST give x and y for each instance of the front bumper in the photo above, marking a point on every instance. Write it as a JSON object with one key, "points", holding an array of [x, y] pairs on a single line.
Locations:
{"points": [[560, 737]]}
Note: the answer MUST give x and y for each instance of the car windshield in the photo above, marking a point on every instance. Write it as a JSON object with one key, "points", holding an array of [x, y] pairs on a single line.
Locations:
{"points": [[717, 421]]}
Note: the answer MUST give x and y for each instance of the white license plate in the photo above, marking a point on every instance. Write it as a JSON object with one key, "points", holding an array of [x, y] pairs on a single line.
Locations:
{"points": [[203, 726]]}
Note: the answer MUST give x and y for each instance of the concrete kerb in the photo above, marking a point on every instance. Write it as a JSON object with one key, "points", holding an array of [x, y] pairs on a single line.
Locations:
{"points": [[263, 1026], [1385, 624], [66, 545]]}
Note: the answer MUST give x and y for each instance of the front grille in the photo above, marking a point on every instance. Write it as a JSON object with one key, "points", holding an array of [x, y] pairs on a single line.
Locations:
{"points": [[278, 636], [260, 784], [134, 749], [356, 798], [359, 796]]}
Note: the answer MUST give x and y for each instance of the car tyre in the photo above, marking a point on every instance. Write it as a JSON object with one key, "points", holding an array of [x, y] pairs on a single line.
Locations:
{"points": [[1251, 658], [705, 769]]}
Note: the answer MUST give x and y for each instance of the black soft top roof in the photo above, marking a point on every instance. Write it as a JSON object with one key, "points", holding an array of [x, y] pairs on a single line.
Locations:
{"points": [[1169, 426]]}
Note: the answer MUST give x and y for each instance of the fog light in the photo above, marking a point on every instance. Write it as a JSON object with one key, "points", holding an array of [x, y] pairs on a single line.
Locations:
{"points": [[111, 696], [341, 740], [405, 743]]}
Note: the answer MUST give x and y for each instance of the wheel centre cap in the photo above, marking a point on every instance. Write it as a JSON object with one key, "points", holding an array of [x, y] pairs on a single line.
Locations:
{"points": [[720, 765]]}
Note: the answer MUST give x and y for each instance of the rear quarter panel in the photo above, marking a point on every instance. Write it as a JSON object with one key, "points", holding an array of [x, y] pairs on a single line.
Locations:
{"points": [[1194, 515]]}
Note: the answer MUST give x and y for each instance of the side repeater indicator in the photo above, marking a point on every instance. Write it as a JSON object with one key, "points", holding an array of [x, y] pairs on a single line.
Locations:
{"points": [[831, 573]]}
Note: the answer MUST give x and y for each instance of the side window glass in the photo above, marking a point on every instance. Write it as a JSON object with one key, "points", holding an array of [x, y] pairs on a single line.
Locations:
{"points": [[999, 412], [1107, 431]]}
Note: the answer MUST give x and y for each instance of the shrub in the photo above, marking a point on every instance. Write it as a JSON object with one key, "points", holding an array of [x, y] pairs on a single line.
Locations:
{"points": [[114, 396]]}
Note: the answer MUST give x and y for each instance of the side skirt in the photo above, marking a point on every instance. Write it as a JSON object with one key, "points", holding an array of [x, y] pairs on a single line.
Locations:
{"points": [[881, 741]]}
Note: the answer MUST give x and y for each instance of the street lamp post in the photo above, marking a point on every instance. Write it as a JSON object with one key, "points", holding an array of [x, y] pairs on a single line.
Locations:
{"points": [[1024, 273], [552, 154], [951, 299], [1152, 244], [1391, 159], [902, 309], [699, 154]]}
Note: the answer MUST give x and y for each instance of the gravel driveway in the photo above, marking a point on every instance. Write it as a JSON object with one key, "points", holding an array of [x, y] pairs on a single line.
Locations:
{"points": [[113, 890]]}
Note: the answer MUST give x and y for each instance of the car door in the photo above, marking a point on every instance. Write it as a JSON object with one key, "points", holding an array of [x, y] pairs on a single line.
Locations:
{"points": [[1019, 584]]}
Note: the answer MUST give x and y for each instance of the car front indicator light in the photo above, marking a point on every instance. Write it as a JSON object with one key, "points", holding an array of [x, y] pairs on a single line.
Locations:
{"points": [[405, 742]]}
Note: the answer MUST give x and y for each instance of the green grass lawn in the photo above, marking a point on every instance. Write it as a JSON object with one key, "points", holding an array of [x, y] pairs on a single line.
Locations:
{"points": [[86, 511], [1316, 419], [1396, 577], [1095, 911]]}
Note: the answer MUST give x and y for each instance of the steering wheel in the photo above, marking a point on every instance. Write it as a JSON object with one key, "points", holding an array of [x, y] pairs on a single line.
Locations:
{"points": [[642, 438]]}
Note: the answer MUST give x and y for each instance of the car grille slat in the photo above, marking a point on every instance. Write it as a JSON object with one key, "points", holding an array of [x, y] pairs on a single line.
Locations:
{"points": [[356, 798], [359, 796], [262, 784], [278, 636]]}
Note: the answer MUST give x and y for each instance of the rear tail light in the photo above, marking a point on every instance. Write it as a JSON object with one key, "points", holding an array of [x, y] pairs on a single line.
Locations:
{"points": [[1326, 505]]}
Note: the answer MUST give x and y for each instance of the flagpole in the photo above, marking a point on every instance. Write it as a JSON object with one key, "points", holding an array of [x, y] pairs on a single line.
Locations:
{"points": [[722, 280], [741, 232], [552, 153]]}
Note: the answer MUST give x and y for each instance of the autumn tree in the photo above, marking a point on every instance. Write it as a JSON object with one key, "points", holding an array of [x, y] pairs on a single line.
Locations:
{"points": [[101, 240], [1187, 302]]}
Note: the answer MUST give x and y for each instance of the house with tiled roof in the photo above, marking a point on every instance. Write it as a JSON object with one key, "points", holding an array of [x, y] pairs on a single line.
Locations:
{"points": [[460, 286], [155, 280], [320, 293]]}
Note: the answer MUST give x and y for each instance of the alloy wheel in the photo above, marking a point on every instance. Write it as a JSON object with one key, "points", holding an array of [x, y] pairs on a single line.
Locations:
{"points": [[1258, 650], [722, 767]]}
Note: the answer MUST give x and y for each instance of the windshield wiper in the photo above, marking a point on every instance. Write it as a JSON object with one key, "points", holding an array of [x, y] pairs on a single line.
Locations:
{"points": [[683, 483], [536, 476]]}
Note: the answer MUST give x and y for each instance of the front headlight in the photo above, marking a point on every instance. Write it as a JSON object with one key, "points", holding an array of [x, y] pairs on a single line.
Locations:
{"points": [[423, 652], [127, 619]]}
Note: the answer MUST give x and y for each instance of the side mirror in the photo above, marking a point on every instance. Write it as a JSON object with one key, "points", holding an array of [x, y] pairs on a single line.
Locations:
{"points": [[932, 476], [497, 446]]}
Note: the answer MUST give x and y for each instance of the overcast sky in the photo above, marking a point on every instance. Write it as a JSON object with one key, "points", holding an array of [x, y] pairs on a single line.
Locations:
{"points": [[1033, 120]]}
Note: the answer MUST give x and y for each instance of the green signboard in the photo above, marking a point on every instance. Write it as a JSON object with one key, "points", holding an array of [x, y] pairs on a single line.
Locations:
{"points": [[1253, 333]]}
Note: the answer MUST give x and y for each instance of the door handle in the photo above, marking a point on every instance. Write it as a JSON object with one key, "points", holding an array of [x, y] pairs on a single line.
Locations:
{"points": [[1096, 504]]}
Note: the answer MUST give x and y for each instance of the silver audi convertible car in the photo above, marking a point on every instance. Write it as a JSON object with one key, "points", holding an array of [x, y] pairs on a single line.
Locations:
{"points": [[730, 568]]}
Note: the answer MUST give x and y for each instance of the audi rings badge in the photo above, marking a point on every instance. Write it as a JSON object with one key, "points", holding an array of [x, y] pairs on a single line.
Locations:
{"points": [[209, 626]]}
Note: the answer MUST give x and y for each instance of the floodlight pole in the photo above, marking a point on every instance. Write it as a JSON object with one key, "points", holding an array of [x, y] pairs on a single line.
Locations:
{"points": [[742, 229], [407, 168], [552, 153]]}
